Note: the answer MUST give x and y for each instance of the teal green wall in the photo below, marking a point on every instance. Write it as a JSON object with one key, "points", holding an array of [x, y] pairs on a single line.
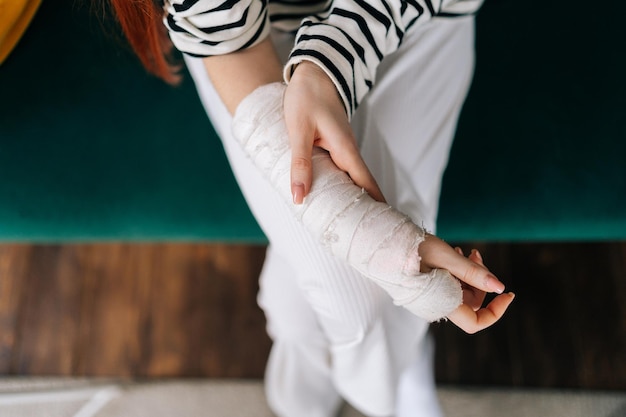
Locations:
{"points": [[91, 148]]}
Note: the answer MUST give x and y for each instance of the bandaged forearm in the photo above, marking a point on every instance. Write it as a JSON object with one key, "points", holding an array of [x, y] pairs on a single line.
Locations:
{"points": [[374, 238]]}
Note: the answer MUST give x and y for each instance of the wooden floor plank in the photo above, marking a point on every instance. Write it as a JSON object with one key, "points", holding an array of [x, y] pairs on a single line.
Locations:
{"points": [[117, 315], [160, 310], [564, 329], [49, 314], [13, 265]]}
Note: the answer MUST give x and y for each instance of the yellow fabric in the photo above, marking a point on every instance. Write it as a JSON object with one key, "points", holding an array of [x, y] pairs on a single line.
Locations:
{"points": [[15, 15]]}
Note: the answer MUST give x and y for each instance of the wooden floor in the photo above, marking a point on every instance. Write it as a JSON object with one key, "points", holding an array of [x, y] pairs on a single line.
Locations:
{"points": [[131, 310], [155, 310]]}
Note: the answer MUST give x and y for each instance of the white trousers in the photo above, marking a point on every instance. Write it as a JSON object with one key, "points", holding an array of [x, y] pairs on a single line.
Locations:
{"points": [[336, 335]]}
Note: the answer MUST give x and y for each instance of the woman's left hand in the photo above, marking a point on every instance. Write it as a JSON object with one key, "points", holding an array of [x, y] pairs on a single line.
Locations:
{"points": [[315, 116]]}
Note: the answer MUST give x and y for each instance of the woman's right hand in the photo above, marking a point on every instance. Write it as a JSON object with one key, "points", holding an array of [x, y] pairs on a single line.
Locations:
{"points": [[315, 116]]}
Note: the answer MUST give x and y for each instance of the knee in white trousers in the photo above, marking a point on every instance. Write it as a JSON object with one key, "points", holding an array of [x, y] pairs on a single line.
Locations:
{"points": [[355, 350]]}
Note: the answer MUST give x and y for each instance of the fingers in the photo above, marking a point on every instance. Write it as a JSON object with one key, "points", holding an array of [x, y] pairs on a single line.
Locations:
{"points": [[472, 272], [349, 160], [336, 137], [473, 297], [301, 168], [436, 253], [475, 256], [469, 316], [477, 276], [299, 108], [474, 321], [315, 116]]}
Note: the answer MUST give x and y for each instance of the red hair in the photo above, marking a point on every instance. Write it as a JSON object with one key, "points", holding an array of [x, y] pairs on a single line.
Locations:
{"points": [[142, 24]]}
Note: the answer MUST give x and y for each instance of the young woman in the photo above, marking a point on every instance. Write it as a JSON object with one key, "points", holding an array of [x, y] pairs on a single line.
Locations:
{"points": [[379, 85]]}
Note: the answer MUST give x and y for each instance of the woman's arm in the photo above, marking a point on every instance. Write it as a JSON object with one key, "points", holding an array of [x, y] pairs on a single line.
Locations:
{"points": [[237, 74], [233, 40], [377, 240]]}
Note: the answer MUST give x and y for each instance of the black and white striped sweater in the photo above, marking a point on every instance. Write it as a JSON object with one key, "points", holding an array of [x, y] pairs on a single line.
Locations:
{"points": [[347, 38]]}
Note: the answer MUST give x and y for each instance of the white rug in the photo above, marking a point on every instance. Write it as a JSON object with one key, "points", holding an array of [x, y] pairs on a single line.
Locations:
{"points": [[59, 397]]}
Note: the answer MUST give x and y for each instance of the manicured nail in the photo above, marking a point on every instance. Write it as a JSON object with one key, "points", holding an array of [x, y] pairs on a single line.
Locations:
{"points": [[494, 284], [297, 190]]}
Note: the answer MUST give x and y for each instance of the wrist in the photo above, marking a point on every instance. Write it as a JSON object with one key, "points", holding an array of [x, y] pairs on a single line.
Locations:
{"points": [[315, 79]]}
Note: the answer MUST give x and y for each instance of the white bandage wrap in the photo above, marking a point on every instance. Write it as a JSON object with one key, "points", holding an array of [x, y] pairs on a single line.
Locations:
{"points": [[374, 238]]}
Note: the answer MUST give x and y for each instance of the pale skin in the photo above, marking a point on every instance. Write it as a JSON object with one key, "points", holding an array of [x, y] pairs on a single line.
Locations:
{"points": [[315, 116]]}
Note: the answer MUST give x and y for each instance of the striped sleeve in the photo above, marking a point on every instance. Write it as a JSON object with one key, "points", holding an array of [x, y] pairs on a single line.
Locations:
{"points": [[216, 27], [350, 40]]}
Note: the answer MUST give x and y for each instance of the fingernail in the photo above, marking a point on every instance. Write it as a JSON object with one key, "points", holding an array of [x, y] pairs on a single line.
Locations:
{"points": [[479, 255], [494, 284], [297, 190]]}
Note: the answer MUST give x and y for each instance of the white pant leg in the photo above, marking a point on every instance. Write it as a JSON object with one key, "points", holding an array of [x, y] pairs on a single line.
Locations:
{"points": [[366, 353], [370, 340], [406, 125], [407, 122], [298, 380]]}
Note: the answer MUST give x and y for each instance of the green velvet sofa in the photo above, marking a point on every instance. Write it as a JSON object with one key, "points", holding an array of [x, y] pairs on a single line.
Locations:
{"points": [[93, 149]]}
